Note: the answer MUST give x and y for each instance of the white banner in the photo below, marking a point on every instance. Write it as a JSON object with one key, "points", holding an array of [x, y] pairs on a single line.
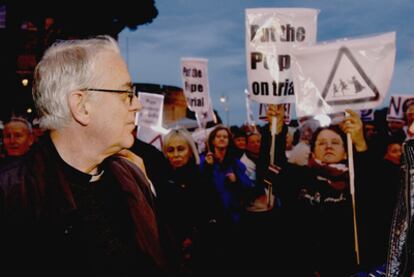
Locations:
{"points": [[151, 112], [195, 84], [350, 73], [396, 107], [270, 35]]}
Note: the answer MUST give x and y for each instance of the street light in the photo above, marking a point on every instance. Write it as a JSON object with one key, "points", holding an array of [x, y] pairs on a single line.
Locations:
{"points": [[223, 99]]}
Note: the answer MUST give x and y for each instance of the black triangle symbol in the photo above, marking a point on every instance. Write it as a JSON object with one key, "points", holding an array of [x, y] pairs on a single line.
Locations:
{"points": [[345, 51]]}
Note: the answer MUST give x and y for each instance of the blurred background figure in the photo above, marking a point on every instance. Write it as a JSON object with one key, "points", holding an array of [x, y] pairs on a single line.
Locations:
{"points": [[251, 155], [408, 109], [239, 140], [17, 138], [394, 152]]}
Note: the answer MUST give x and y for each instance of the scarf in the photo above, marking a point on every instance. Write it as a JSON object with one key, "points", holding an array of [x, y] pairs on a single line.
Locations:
{"points": [[335, 175]]}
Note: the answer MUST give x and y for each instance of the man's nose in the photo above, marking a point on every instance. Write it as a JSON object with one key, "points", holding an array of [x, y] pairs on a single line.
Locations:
{"points": [[136, 104]]}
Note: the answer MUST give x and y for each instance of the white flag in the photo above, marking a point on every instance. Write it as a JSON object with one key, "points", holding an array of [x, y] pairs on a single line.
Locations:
{"points": [[354, 74]]}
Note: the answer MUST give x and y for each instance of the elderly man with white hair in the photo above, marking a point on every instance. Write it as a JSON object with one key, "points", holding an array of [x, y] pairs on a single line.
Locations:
{"points": [[73, 207]]}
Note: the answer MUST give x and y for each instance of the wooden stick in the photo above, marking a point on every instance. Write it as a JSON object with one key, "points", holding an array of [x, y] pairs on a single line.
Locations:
{"points": [[272, 158], [352, 190]]}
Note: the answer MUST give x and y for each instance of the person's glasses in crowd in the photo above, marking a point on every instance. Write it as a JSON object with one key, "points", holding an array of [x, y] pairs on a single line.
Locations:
{"points": [[131, 93]]}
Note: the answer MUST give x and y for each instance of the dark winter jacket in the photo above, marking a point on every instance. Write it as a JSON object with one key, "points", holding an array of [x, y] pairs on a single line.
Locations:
{"points": [[39, 218]]}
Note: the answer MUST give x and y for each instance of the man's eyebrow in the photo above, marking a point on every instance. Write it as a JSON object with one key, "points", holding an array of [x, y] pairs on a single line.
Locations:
{"points": [[128, 85]]}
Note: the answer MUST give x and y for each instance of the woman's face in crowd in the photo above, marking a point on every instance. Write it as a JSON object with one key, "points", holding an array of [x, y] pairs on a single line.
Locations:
{"points": [[329, 147], [221, 140], [178, 152]]}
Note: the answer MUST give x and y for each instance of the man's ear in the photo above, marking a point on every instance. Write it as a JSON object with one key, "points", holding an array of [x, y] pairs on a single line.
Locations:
{"points": [[79, 107]]}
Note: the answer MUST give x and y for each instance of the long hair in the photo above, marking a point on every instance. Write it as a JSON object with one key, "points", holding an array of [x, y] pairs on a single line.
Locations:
{"points": [[184, 134], [229, 157], [65, 67]]}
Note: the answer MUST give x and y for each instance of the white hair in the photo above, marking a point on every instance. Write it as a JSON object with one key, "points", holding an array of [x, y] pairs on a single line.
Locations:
{"points": [[65, 67], [21, 120], [182, 133]]}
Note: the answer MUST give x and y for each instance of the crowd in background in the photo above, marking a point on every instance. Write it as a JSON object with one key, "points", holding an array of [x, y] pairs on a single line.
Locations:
{"points": [[83, 196], [230, 205]]}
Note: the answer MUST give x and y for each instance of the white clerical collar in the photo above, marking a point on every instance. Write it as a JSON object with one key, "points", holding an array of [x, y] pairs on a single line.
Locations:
{"points": [[96, 177]]}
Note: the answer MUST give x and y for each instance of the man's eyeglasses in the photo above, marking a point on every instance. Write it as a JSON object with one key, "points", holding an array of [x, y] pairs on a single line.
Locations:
{"points": [[131, 93]]}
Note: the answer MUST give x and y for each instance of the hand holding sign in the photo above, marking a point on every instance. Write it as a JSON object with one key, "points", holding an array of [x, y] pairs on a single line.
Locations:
{"points": [[277, 111], [353, 125]]}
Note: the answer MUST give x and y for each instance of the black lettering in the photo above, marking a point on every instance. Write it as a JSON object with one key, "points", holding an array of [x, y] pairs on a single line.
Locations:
{"points": [[284, 62], [279, 91], [200, 88], [282, 88], [196, 102], [256, 88], [300, 34], [395, 106], [186, 71], [193, 87], [255, 57], [289, 34], [261, 88], [264, 87], [291, 89], [267, 34], [196, 73], [253, 31]]}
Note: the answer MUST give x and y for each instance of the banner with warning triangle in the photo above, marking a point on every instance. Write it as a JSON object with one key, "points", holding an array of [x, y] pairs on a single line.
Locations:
{"points": [[350, 73]]}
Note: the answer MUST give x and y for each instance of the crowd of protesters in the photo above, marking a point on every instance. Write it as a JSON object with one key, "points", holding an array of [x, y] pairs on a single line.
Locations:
{"points": [[253, 202]]}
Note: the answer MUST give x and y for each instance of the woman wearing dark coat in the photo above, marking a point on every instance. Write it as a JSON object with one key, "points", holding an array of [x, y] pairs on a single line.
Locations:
{"points": [[193, 204], [316, 203]]}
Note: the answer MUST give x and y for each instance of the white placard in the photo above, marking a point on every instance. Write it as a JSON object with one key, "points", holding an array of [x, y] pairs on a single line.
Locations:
{"points": [[195, 84], [270, 35], [151, 112], [349, 73]]}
